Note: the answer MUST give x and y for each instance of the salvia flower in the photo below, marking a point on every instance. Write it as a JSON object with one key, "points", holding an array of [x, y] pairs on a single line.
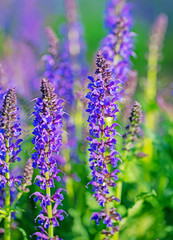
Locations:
{"points": [[133, 127], [53, 41], [117, 46], [155, 46], [158, 32], [58, 69], [9, 148], [9, 132], [59, 72], [103, 95], [75, 45], [48, 141]]}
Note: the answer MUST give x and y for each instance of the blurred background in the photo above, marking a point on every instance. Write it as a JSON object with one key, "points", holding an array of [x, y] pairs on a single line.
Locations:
{"points": [[147, 201], [25, 21]]}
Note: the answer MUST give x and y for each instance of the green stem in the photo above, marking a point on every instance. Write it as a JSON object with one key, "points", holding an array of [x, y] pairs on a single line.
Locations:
{"points": [[150, 96], [49, 209], [115, 236], [107, 208], [67, 170], [7, 222], [119, 183], [118, 192], [16, 199]]}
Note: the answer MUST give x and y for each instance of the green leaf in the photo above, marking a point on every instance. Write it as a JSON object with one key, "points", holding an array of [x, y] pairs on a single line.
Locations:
{"points": [[146, 212], [23, 233], [78, 228], [144, 196]]}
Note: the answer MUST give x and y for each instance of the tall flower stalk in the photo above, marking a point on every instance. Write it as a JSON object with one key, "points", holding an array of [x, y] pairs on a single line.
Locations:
{"points": [[156, 39], [103, 160], [48, 142], [117, 46], [76, 46], [59, 72], [9, 149], [132, 129]]}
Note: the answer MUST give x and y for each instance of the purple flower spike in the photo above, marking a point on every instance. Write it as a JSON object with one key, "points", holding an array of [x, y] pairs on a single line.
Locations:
{"points": [[102, 106], [9, 132], [9, 148], [59, 72], [48, 142], [117, 46]]}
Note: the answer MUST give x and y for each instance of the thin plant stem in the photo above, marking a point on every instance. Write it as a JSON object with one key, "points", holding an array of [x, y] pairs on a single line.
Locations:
{"points": [[79, 118], [16, 199], [107, 210], [151, 89], [49, 207], [67, 169], [7, 223], [103, 155], [119, 187], [156, 39]]}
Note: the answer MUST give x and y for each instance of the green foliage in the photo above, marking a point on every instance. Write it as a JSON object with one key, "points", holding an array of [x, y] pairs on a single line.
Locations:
{"points": [[147, 194], [145, 219]]}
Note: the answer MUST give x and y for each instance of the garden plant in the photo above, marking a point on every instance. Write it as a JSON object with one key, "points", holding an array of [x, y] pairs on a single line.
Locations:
{"points": [[86, 120]]}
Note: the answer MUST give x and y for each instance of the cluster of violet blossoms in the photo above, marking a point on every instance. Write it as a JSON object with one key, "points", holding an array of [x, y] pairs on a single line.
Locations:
{"points": [[117, 46], [59, 72], [66, 66], [58, 69], [48, 141], [9, 139], [104, 158]]}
